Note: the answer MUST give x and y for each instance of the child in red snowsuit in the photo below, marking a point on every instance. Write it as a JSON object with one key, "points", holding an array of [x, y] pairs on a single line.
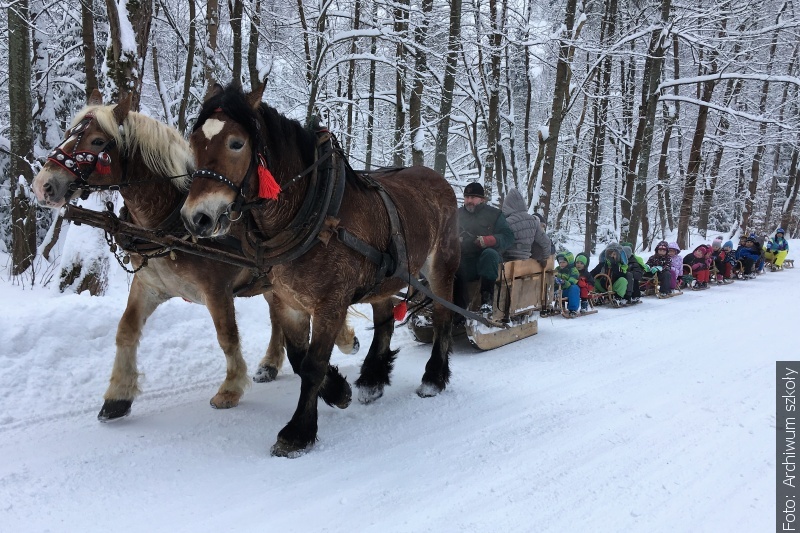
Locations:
{"points": [[699, 260]]}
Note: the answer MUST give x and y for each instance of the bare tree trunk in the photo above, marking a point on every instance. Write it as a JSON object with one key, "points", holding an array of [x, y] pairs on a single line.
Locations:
{"points": [[187, 74], [400, 30], [572, 162], [639, 163], [560, 96], [371, 113], [23, 211], [512, 129], [695, 153], [236, 8], [526, 138], [126, 67], [314, 63], [755, 169], [415, 101], [446, 104], [256, 81], [732, 89], [212, 28], [792, 187], [89, 48], [351, 75], [599, 117], [493, 122]]}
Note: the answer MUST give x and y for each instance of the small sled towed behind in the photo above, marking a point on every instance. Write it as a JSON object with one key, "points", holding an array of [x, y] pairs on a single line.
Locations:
{"points": [[520, 293]]}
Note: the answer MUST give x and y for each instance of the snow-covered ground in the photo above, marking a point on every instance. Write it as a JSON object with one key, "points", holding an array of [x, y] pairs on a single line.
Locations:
{"points": [[659, 417]]}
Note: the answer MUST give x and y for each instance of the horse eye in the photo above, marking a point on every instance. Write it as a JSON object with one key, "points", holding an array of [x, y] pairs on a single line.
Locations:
{"points": [[98, 142], [236, 145]]}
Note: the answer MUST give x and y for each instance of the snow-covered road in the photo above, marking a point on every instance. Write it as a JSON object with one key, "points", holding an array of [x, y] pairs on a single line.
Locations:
{"points": [[659, 417]]}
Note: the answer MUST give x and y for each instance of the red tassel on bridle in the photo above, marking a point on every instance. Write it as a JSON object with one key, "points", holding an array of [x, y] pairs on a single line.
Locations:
{"points": [[267, 186], [103, 166]]}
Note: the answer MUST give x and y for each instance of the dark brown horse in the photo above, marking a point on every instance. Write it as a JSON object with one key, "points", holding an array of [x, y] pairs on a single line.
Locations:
{"points": [[236, 141], [111, 147]]}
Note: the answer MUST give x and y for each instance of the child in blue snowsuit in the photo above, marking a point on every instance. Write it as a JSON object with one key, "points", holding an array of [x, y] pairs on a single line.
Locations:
{"points": [[749, 254], [566, 277]]}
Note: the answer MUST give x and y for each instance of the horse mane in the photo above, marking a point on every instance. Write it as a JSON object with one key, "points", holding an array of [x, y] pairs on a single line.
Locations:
{"points": [[164, 151]]}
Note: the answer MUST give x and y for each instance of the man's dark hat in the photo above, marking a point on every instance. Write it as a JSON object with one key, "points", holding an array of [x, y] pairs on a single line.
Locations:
{"points": [[474, 189]]}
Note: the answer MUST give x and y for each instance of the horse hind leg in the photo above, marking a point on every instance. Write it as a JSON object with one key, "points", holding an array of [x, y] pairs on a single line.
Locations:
{"points": [[270, 365], [123, 385], [346, 339], [236, 379], [441, 277], [379, 362], [272, 362]]}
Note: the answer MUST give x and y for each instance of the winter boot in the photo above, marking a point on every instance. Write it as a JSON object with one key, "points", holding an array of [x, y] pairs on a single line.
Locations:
{"points": [[487, 295], [584, 306]]}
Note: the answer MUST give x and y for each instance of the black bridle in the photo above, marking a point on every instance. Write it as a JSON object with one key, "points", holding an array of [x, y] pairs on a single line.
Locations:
{"points": [[239, 203]]}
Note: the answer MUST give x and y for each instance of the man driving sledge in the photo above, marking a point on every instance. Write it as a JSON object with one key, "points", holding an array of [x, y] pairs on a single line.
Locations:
{"points": [[484, 234]]}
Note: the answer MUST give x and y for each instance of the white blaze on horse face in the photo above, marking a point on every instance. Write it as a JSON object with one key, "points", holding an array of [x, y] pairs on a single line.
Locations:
{"points": [[211, 127]]}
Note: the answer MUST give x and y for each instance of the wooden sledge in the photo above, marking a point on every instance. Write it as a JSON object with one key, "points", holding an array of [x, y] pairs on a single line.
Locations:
{"points": [[788, 263], [520, 294]]}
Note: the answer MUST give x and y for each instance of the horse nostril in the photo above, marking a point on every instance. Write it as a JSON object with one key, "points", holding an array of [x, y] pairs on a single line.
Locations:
{"points": [[48, 189], [202, 222]]}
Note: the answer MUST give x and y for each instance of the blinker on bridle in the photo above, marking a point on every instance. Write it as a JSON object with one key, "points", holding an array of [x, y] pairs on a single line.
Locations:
{"points": [[82, 164]]}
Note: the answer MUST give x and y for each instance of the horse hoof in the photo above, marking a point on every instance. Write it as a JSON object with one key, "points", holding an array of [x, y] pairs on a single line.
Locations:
{"points": [[225, 400], [367, 395], [265, 374], [428, 390], [336, 392], [283, 448], [114, 409]]}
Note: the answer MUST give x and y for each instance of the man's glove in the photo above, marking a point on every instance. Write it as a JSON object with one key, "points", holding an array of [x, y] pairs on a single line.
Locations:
{"points": [[486, 241]]}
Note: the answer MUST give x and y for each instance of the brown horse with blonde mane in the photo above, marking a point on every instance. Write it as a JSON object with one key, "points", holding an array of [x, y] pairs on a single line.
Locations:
{"points": [[111, 147], [333, 238]]}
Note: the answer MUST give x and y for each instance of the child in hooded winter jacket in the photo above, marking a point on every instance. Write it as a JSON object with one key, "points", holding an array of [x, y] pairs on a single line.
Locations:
{"points": [[749, 254], [674, 252], [718, 259], [777, 248], [660, 265], [585, 279], [614, 263], [729, 259], [566, 278], [636, 271], [699, 261]]}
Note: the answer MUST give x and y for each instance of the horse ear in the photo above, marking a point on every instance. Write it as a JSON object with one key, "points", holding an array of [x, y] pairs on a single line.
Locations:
{"points": [[122, 108], [213, 91], [254, 96], [96, 98]]}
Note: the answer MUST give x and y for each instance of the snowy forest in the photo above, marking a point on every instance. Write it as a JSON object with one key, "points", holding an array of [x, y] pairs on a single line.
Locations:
{"points": [[616, 119]]}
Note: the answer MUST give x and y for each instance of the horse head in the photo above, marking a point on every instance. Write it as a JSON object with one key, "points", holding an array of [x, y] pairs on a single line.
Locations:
{"points": [[228, 146], [105, 147], [90, 152]]}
